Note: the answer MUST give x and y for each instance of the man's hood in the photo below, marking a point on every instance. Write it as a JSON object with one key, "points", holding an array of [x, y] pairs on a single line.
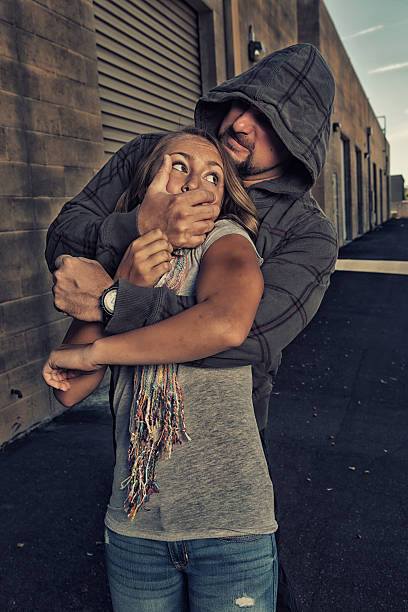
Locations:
{"points": [[294, 88]]}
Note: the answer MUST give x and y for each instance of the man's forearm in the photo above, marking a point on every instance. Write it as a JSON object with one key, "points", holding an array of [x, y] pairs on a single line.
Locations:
{"points": [[292, 295], [86, 226]]}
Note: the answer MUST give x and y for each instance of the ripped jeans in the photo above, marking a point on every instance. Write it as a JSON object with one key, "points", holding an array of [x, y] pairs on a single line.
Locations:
{"points": [[208, 575]]}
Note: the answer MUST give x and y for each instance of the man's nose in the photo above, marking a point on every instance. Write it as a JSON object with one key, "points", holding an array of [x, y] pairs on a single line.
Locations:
{"points": [[243, 122]]}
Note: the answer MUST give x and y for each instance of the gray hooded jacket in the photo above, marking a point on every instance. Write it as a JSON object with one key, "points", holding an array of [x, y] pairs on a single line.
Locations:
{"points": [[294, 88]]}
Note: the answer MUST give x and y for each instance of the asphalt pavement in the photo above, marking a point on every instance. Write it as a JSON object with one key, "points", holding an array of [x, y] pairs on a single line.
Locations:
{"points": [[337, 439]]}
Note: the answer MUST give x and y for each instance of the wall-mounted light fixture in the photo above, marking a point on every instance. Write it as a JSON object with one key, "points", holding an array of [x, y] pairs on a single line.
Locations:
{"points": [[366, 154], [336, 126], [255, 47]]}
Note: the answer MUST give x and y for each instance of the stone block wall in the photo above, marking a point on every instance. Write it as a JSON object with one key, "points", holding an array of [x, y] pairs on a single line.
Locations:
{"points": [[353, 114], [51, 144]]}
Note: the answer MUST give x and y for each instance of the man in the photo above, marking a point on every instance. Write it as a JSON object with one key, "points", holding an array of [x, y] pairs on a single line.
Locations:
{"points": [[274, 121]]}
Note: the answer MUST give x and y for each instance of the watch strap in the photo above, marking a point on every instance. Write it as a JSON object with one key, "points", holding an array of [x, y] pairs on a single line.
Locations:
{"points": [[106, 315]]}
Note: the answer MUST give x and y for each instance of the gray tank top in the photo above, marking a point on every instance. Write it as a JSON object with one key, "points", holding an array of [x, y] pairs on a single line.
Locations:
{"points": [[217, 484]]}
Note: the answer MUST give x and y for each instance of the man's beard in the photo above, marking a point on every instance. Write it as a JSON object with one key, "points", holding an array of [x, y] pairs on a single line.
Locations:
{"points": [[246, 167]]}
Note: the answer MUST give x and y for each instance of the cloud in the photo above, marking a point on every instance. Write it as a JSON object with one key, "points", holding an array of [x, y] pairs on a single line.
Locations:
{"points": [[400, 132], [363, 32], [389, 67]]}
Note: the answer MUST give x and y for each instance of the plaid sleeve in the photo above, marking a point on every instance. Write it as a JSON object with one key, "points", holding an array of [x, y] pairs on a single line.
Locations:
{"points": [[295, 278], [86, 224]]}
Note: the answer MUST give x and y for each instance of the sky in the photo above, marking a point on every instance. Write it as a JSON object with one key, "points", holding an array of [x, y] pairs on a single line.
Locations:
{"points": [[375, 36]]}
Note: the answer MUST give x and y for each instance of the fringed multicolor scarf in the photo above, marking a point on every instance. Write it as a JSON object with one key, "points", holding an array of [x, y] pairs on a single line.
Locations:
{"points": [[157, 415]]}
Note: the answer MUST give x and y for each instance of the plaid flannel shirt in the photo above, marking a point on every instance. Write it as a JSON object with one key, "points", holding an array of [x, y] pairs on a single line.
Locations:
{"points": [[294, 88]]}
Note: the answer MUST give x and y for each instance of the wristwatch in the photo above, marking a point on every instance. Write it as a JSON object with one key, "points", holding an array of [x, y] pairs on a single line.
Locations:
{"points": [[107, 302]]}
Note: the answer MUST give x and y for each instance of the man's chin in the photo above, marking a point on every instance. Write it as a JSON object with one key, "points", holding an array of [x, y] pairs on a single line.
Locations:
{"points": [[237, 157]]}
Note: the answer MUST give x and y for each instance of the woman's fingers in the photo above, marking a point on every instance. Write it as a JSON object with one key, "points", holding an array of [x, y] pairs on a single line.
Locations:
{"points": [[162, 257], [153, 248], [56, 378], [150, 244], [150, 250], [149, 237]]}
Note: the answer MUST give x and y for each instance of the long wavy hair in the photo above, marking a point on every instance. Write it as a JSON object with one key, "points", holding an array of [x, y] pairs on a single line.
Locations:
{"points": [[236, 204]]}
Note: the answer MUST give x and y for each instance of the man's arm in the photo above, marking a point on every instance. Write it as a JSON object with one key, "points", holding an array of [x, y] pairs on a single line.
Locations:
{"points": [[296, 278], [295, 281], [87, 225], [229, 288]]}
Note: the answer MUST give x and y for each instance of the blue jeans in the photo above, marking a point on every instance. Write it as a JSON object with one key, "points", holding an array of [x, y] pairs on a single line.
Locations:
{"points": [[208, 575]]}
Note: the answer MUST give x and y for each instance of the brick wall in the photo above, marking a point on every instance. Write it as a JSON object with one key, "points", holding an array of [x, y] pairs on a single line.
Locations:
{"points": [[51, 143]]}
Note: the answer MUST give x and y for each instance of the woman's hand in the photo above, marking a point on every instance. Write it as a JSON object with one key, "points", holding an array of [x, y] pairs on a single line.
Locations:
{"points": [[67, 362], [146, 259]]}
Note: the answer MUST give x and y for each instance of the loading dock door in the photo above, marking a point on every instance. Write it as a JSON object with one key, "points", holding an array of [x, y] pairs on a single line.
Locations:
{"points": [[148, 67]]}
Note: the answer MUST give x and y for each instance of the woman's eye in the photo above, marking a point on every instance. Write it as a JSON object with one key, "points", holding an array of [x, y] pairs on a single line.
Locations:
{"points": [[179, 166], [213, 178]]}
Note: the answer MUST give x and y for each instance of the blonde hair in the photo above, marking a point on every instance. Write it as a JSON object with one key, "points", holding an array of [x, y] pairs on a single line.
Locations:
{"points": [[236, 204]]}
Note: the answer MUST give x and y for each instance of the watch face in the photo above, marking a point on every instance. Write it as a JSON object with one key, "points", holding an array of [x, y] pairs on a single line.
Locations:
{"points": [[110, 299]]}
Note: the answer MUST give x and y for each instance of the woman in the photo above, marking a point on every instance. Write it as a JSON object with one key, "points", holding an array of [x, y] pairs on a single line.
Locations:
{"points": [[194, 532]]}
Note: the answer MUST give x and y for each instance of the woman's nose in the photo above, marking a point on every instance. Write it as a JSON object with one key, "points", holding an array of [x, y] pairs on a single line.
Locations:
{"points": [[192, 182]]}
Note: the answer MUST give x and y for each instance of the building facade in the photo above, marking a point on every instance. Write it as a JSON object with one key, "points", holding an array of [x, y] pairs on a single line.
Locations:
{"points": [[354, 186], [397, 188], [80, 78]]}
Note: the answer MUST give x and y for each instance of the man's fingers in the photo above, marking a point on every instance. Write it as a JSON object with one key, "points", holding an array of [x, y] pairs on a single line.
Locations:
{"points": [[196, 196], [194, 241], [206, 212], [159, 183], [201, 227]]}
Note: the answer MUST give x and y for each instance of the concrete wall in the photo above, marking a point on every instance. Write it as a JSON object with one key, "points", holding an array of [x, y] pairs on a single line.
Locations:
{"points": [[51, 143], [274, 24], [354, 115], [400, 209]]}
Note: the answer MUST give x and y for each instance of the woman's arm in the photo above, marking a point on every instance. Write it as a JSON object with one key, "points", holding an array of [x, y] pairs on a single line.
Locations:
{"points": [[230, 287], [296, 277], [73, 386]]}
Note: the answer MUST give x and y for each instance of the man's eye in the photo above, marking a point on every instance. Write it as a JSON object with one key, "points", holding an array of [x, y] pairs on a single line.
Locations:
{"points": [[212, 178], [179, 166]]}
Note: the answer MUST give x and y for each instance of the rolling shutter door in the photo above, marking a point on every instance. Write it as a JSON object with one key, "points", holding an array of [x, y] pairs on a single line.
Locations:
{"points": [[148, 67]]}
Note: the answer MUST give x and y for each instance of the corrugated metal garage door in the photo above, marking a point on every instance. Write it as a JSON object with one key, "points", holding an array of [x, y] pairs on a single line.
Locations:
{"points": [[148, 66]]}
